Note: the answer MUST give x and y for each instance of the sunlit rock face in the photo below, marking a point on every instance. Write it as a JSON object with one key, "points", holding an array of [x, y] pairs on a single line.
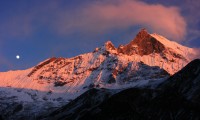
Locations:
{"points": [[143, 44]]}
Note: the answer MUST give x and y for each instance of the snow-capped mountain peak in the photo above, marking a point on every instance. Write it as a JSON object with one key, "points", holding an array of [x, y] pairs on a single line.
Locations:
{"points": [[109, 46], [145, 61]]}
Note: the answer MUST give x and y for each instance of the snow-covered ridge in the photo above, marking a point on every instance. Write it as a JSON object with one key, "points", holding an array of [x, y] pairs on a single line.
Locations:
{"points": [[178, 48]]}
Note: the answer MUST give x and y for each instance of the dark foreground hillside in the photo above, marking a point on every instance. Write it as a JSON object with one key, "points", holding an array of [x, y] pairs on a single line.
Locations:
{"points": [[175, 99]]}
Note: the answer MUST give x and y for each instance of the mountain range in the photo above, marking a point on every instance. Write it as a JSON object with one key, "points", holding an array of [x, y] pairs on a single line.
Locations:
{"points": [[147, 78]]}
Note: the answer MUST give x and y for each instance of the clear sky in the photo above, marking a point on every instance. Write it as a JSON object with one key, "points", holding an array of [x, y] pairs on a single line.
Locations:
{"points": [[38, 29]]}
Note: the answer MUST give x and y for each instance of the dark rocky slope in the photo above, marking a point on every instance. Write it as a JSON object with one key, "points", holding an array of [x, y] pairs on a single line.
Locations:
{"points": [[175, 99]]}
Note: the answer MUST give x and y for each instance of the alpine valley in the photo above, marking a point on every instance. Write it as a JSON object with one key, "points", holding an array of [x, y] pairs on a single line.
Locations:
{"points": [[150, 78]]}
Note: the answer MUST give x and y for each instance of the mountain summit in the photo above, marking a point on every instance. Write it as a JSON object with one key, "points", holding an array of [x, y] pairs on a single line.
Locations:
{"points": [[146, 61], [143, 44]]}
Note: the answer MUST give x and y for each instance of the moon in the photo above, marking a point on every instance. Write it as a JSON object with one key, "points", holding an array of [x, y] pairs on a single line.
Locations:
{"points": [[17, 57]]}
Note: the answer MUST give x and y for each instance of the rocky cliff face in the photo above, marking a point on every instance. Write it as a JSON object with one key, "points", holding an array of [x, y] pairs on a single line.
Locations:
{"points": [[143, 44]]}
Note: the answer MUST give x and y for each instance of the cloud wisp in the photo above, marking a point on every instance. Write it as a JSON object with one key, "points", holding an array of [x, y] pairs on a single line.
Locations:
{"points": [[101, 17]]}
